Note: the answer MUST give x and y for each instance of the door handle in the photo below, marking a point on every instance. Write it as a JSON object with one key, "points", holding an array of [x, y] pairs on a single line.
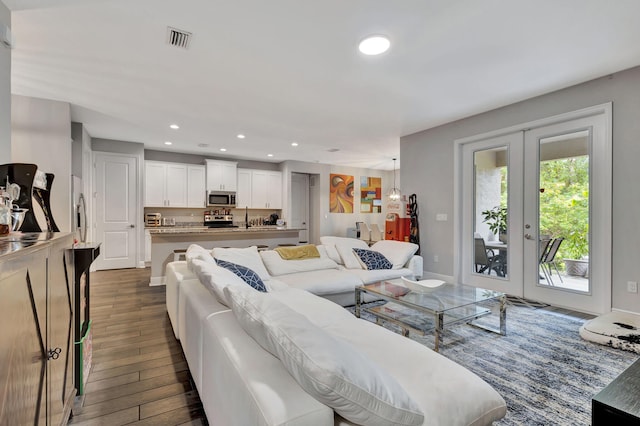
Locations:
{"points": [[132, 226], [528, 236]]}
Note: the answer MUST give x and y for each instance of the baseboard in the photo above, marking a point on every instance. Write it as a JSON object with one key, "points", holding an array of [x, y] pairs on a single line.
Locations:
{"points": [[625, 311], [157, 281], [142, 264]]}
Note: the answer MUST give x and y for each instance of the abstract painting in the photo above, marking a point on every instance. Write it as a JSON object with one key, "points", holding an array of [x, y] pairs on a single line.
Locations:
{"points": [[341, 193], [370, 194]]}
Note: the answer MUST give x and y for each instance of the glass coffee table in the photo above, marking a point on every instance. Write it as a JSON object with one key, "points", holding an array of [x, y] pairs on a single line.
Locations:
{"points": [[430, 309]]}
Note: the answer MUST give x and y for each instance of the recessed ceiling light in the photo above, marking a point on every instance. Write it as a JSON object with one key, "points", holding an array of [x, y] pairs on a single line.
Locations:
{"points": [[223, 149], [241, 136], [269, 155], [168, 143], [374, 45], [174, 126], [203, 145], [294, 143]]}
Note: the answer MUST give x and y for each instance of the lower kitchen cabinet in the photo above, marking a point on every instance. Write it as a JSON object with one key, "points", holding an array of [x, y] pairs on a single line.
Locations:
{"points": [[36, 343]]}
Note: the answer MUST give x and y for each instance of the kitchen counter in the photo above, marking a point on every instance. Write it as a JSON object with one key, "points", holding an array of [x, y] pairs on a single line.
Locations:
{"points": [[164, 240], [17, 242], [199, 229]]}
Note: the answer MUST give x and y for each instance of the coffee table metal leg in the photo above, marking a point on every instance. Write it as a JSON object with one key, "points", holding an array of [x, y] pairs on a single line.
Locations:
{"points": [[503, 315], [439, 330], [358, 302]]}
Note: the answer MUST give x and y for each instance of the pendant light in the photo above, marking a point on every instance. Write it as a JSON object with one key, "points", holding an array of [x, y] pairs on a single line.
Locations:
{"points": [[394, 194]]}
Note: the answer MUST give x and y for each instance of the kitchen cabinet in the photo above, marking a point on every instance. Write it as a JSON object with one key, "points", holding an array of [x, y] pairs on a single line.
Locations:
{"points": [[147, 246], [243, 194], [36, 358], [260, 189], [196, 186], [222, 176], [165, 184]]}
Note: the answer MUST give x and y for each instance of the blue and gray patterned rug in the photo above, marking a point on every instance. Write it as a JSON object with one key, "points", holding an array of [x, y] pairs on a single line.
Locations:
{"points": [[542, 368]]}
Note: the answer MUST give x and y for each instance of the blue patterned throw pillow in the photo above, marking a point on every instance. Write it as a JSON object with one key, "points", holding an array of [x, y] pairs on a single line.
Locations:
{"points": [[247, 275], [372, 259]]}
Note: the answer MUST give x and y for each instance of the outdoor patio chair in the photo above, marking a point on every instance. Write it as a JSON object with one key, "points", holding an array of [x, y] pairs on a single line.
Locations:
{"points": [[486, 260], [549, 260]]}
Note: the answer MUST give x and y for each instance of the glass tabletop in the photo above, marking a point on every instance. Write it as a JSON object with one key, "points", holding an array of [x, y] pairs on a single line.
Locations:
{"points": [[440, 299]]}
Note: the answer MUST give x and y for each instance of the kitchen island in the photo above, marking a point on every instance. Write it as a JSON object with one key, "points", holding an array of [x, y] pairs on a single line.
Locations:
{"points": [[165, 240]]}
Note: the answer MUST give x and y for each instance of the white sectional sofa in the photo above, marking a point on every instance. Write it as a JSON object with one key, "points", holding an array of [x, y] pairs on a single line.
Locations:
{"points": [[243, 374]]}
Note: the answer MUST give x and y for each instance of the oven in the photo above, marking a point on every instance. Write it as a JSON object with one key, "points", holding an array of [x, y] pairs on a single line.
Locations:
{"points": [[219, 221]]}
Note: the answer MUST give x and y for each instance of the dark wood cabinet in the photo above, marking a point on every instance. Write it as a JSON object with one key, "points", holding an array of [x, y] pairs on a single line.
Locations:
{"points": [[84, 254], [619, 402], [36, 358]]}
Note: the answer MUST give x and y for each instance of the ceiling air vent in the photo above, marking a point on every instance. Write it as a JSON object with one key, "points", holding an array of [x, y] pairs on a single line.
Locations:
{"points": [[178, 38]]}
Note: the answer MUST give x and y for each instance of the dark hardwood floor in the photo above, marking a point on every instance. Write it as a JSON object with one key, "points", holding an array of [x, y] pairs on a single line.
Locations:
{"points": [[139, 374]]}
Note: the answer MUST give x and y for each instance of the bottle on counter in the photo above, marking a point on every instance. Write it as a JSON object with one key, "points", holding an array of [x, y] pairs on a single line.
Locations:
{"points": [[5, 212]]}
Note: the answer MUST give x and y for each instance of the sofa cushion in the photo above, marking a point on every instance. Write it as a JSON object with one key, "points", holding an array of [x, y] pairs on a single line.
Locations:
{"points": [[372, 260], [330, 242], [318, 310], [326, 281], [215, 278], [276, 265], [246, 274], [328, 368], [248, 257], [348, 256], [398, 252], [195, 251]]}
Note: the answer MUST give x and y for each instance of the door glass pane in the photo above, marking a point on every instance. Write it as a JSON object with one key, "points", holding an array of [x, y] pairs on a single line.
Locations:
{"points": [[491, 200], [563, 201]]}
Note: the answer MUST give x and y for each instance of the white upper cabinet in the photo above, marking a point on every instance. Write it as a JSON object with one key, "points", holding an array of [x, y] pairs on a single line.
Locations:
{"points": [[196, 186], [222, 176], [174, 185], [243, 195], [259, 189]]}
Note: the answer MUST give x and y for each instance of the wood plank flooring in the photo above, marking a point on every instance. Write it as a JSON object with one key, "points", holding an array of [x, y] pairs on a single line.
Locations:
{"points": [[139, 374]]}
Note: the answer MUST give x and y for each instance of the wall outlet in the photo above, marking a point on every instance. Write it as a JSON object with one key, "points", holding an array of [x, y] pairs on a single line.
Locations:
{"points": [[435, 258], [632, 286]]}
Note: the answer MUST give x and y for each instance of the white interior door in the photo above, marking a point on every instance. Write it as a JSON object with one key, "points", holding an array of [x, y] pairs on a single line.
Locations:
{"points": [[300, 204], [116, 210]]}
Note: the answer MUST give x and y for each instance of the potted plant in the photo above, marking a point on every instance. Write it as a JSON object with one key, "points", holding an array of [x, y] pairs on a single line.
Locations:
{"points": [[496, 219], [576, 248]]}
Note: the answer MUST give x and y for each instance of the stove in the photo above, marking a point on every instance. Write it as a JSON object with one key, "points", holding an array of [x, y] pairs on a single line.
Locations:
{"points": [[219, 221]]}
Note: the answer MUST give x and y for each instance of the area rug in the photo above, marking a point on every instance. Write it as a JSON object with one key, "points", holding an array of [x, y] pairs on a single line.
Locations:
{"points": [[619, 330], [542, 368]]}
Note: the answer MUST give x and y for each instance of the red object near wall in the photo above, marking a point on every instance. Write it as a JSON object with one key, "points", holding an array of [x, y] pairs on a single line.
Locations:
{"points": [[397, 228]]}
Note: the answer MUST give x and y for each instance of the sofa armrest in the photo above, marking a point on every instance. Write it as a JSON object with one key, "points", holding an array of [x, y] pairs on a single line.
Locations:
{"points": [[416, 265]]}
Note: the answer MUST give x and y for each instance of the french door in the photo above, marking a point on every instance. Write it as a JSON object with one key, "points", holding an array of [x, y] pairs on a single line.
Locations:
{"points": [[535, 201]]}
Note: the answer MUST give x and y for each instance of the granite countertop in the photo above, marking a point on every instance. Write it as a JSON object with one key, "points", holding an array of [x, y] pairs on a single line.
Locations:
{"points": [[202, 229], [17, 241]]}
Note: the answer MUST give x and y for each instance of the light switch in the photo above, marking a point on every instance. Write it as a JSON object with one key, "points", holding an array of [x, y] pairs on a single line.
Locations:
{"points": [[441, 217]]}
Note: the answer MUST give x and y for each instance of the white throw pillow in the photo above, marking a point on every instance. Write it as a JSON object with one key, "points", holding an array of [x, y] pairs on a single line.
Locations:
{"points": [[248, 257], [276, 265], [397, 252], [331, 242], [326, 367], [349, 258], [194, 251], [216, 278]]}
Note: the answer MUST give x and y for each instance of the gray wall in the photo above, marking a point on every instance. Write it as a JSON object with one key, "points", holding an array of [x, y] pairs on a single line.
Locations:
{"points": [[324, 222], [428, 167], [5, 92]]}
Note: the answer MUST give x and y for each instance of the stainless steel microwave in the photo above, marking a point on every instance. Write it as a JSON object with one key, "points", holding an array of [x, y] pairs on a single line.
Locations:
{"points": [[221, 199]]}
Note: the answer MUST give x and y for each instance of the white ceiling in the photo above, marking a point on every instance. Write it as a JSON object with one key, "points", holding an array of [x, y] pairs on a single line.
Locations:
{"points": [[288, 70]]}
